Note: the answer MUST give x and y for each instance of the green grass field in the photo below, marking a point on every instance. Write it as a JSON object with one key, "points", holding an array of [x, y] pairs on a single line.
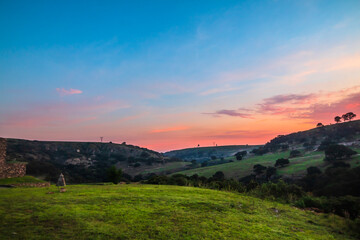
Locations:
{"points": [[168, 167], [238, 169], [25, 179], [297, 166], [156, 212]]}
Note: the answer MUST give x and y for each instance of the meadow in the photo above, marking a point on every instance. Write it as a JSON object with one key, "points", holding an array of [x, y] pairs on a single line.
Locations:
{"points": [[242, 168], [137, 211]]}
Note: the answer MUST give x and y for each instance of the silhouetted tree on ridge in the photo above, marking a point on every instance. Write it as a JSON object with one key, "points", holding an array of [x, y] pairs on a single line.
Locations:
{"points": [[337, 119]]}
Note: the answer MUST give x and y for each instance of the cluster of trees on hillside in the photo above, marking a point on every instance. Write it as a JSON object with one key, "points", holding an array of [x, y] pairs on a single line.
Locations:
{"points": [[347, 116]]}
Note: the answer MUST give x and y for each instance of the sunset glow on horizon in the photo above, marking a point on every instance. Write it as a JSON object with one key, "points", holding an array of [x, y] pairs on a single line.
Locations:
{"points": [[169, 75]]}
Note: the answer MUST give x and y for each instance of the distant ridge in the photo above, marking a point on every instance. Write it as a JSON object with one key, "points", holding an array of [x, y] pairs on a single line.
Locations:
{"points": [[205, 153]]}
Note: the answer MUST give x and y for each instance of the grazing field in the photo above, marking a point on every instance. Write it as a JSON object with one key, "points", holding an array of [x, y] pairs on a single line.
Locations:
{"points": [[158, 168], [238, 169], [297, 166], [156, 212]]}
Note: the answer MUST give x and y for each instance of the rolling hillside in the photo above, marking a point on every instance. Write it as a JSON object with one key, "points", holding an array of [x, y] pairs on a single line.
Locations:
{"points": [[307, 142], [296, 168], [80, 161], [156, 212], [201, 154]]}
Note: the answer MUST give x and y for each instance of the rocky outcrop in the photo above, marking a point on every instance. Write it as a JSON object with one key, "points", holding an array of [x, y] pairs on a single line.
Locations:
{"points": [[9, 170]]}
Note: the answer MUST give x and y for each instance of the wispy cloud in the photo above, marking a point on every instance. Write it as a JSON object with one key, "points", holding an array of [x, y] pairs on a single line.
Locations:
{"points": [[71, 91], [316, 106], [232, 113]]}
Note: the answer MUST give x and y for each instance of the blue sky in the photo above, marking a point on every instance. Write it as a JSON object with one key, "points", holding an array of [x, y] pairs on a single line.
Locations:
{"points": [[160, 74]]}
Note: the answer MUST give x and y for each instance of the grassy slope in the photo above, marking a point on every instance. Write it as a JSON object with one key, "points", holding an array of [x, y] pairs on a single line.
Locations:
{"points": [[205, 153], [238, 169], [155, 212], [25, 179], [159, 168]]}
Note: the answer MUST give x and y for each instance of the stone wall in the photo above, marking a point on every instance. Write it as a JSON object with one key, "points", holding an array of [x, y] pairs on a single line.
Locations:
{"points": [[2, 150], [9, 170]]}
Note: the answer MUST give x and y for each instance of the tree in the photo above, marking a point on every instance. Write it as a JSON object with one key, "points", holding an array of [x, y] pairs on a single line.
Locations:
{"points": [[259, 169], [239, 155], [295, 153], [313, 170], [204, 164], [219, 176], [282, 162], [337, 119], [325, 144], [345, 117], [114, 175], [319, 125], [351, 115], [270, 171], [284, 147], [338, 152]]}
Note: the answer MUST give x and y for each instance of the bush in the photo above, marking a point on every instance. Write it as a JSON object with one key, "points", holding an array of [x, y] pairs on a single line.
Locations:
{"points": [[278, 191], [259, 169], [313, 170], [114, 175], [282, 162], [295, 153]]}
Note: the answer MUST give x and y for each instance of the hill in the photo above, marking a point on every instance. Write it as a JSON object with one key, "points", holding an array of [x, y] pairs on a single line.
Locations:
{"points": [[156, 212], [306, 142], [201, 154], [348, 132], [80, 161]]}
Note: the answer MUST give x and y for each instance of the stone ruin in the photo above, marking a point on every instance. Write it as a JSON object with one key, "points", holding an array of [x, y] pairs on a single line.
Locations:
{"points": [[9, 170]]}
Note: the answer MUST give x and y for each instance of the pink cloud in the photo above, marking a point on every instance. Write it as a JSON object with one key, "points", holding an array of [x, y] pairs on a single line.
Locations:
{"points": [[71, 91], [321, 106]]}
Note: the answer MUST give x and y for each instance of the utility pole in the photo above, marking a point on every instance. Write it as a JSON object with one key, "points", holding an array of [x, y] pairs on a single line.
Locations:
{"points": [[101, 138]]}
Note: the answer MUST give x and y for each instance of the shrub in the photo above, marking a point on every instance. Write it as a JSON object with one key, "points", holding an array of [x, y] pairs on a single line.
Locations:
{"points": [[295, 153], [278, 191], [282, 162], [313, 170], [114, 175], [259, 169]]}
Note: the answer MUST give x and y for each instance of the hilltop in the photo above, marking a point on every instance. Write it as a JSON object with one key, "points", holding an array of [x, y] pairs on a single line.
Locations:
{"points": [[157, 212], [80, 161], [346, 132]]}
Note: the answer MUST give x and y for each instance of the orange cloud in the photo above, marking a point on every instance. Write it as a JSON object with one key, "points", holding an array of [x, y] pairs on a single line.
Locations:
{"points": [[71, 91]]}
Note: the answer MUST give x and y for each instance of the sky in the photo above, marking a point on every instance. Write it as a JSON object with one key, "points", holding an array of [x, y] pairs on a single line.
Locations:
{"points": [[174, 74]]}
